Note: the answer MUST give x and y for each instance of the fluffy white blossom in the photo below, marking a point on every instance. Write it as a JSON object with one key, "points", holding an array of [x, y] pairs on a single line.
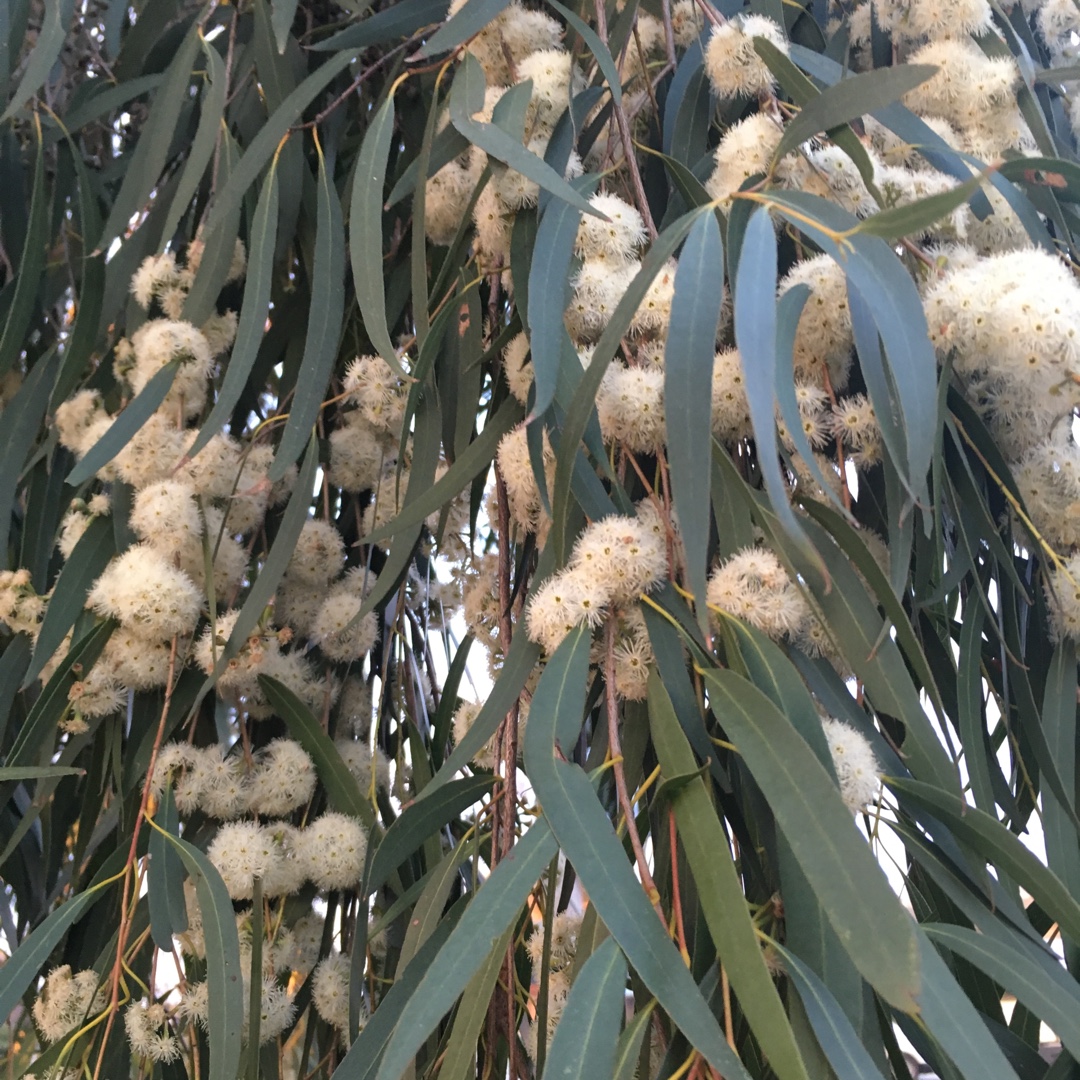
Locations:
{"points": [[283, 779], [753, 585], [148, 1032], [333, 850], [145, 593], [66, 1000], [243, 851], [330, 990], [856, 766], [731, 62], [616, 239]]}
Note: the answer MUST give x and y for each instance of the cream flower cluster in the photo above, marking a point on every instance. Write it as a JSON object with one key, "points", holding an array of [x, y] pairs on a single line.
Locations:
{"points": [[330, 993], [287, 951], [753, 585], [856, 766], [614, 561], [329, 853], [732, 63], [149, 1033], [279, 779], [487, 757], [66, 1000], [562, 950], [1010, 324]]}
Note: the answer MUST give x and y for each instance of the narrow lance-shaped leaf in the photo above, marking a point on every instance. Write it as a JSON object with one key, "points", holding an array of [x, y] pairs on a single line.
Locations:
{"points": [[83, 567], [468, 20], [365, 232], [1044, 988], [588, 839], [266, 143], [165, 876], [211, 113], [494, 141], [947, 1012], [323, 328], [756, 337], [253, 311], [223, 972], [583, 1046], [397, 21], [604, 59], [126, 426], [720, 891], [365, 1055], [549, 293], [494, 908], [273, 568], [419, 821], [460, 1060], [851, 98], [29, 956], [894, 302], [1059, 722], [341, 787], [282, 20], [688, 374], [31, 266], [580, 408], [151, 152], [984, 833], [19, 423], [867, 917], [840, 1041], [39, 728], [50, 41]]}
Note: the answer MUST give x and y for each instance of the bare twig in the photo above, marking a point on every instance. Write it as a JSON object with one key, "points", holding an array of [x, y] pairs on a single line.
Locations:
{"points": [[126, 907], [615, 748], [624, 134]]}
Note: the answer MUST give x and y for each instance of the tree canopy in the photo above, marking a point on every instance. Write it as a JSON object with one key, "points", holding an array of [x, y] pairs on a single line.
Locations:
{"points": [[539, 540]]}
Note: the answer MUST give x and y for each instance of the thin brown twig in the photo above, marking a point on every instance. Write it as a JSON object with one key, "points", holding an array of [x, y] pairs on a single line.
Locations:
{"points": [[676, 890], [125, 906], [615, 749], [729, 1023], [669, 32], [845, 494], [228, 76], [626, 137]]}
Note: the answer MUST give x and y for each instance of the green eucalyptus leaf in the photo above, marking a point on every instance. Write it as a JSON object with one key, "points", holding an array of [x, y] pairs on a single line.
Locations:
{"points": [[341, 787], [323, 327], [583, 1045], [588, 839], [688, 374], [876, 931], [851, 98]]}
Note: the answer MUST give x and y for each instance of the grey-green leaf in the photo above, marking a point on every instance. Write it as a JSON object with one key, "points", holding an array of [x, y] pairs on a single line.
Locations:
{"points": [[253, 311], [586, 835], [832, 1028], [494, 908], [583, 1046], [494, 141], [850, 98], [688, 374], [341, 787], [83, 567], [126, 426], [365, 231], [223, 972], [323, 327], [867, 917], [756, 337]]}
